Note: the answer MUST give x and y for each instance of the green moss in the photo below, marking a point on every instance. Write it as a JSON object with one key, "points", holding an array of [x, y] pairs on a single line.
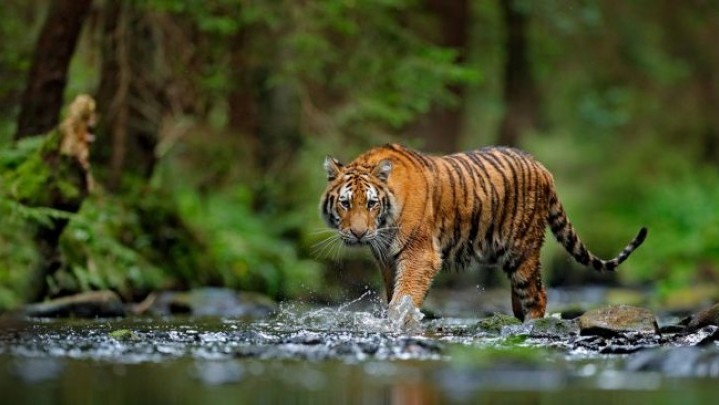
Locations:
{"points": [[495, 323], [124, 335]]}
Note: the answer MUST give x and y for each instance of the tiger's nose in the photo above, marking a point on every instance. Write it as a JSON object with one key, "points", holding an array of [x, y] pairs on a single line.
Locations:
{"points": [[358, 234]]}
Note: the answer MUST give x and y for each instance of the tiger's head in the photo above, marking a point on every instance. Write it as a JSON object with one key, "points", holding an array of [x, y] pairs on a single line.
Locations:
{"points": [[357, 201]]}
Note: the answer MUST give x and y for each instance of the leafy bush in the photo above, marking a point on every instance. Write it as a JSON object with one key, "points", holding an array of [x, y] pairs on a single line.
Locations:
{"points": [[684, 220], [248, 248]]}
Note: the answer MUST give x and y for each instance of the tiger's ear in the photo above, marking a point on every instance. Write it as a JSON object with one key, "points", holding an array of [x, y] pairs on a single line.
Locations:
{"points": [[382, 170], [333, 167]]}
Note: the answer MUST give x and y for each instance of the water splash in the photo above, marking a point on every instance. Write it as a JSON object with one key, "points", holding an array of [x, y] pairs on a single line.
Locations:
{"points": [[340, 318], [404, 316], [374, 317]]}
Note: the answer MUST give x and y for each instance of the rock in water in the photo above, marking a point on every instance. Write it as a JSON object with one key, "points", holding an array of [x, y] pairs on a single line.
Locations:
{"points": [[495, 323], [552, 327], [616, 319], [90, 304], [709, 316]]}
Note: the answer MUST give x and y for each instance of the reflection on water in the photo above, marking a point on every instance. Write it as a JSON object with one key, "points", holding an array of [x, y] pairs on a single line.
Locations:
{"points": [[36, 369], [189, 381]]}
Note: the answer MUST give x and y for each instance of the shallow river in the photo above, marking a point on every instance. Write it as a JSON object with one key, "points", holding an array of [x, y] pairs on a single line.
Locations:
{"points": [[334, 355]]}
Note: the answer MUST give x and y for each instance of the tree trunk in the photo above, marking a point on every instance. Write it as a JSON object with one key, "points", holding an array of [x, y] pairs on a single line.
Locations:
{"points": [[242, 96], [441, 128], [42, 99], [267, 115], [520, 89], [131, 85], [55, 176]]}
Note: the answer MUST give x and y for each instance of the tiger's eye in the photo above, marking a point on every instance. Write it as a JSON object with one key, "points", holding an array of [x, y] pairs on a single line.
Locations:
{"points": [[371, 204]]}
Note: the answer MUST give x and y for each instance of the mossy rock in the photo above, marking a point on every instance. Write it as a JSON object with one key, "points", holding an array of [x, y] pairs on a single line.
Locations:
{"points": [[495, 323], [124, 335]]}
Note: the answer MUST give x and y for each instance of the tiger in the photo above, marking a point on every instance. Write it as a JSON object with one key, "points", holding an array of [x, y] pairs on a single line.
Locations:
{"points": [[420, 213]]}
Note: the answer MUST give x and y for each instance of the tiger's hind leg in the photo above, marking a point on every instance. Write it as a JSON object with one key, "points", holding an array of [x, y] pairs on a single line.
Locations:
{"points": [[529, 299]]}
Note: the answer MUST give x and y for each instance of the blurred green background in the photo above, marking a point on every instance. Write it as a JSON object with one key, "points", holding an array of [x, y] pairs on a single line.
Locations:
{"points": [[215, 117]]}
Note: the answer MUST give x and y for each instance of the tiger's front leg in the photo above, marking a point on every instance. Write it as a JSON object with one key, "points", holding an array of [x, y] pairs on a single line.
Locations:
{"points": [[415, 269], [387, 271]]}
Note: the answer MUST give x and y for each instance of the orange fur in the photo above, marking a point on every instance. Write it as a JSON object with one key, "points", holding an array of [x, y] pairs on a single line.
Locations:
{"points": [[420, 213]]}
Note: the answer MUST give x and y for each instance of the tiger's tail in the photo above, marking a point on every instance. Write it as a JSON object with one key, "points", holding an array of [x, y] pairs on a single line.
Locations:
{"points": [[567, 236]]}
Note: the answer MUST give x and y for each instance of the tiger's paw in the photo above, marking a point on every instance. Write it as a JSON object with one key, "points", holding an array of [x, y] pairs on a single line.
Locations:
{"points": [[404, 316]]}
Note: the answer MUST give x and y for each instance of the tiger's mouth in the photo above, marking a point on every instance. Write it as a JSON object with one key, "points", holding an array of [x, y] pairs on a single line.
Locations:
{"points": [[354, 238], [353, 241]]}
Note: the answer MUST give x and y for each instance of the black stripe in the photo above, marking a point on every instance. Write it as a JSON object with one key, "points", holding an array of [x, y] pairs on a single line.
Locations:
{"points": [[525, 167], [558, 225], [496, 163], [531, 188], [520, 284], [411, 155], [489, 193], [445, 210], [511, 161], [458, 220], [494, 199], [583, 256], [478, 166], [330, 202], [571, 243]]}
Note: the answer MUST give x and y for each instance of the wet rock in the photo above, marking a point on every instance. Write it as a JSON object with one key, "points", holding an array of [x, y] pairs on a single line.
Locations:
{"points": [[219, 302], [495, 323], [670, 329], [522, 329], [306, 338], [706, 317], [712, 335], [552, 327], [621, 343], [124, 335], [699, 337], [92, 304], [616, 319]]}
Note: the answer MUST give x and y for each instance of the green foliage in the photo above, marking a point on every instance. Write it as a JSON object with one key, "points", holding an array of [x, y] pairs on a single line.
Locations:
{"points": [[252, 247], [104, 248], [17, 253], [249, 249], [377, 68], [685, 231], [384, 70], [20, 22], [628, 128]]}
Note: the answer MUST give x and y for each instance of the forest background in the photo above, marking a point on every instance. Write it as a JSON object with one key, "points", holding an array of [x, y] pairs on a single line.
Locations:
{"points": [[215, 117]]}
